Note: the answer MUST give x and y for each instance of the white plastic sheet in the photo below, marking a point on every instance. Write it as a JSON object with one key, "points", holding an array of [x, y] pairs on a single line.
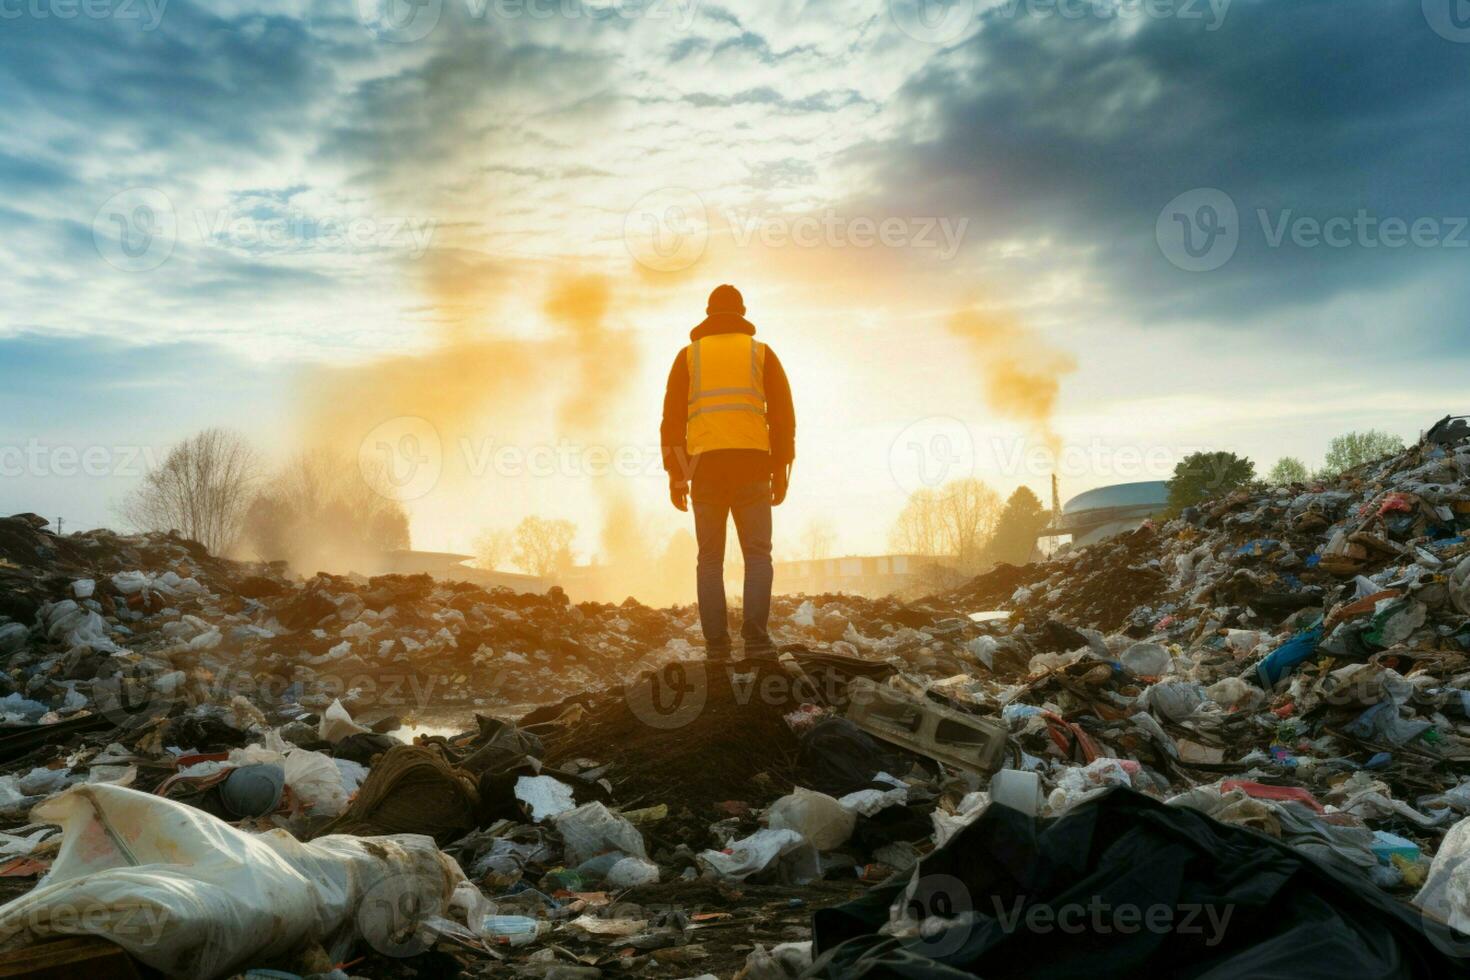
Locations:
{"points": [[592, 829], [759, 851], [193, 897], [547, 796], [1446, 890], [336, 724]]}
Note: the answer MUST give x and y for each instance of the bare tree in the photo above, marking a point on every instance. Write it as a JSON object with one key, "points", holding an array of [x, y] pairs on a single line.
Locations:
{"points": [[544, 547], [493, 547], [969, 512], [817, 540], [202, 489], [322, 511], [918, 530], [954, 521]]}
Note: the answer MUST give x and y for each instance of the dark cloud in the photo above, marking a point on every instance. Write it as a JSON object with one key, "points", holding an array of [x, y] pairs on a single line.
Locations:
{"points": [[432, 119], [199, 83], [1081, 131]]}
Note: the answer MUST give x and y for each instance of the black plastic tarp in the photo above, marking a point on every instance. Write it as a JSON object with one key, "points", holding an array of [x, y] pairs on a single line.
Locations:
{"points": [[1124, 886]]}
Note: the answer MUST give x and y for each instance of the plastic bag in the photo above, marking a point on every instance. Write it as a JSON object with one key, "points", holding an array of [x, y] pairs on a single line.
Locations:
{"points": [[1147, 660], [592, 829], [547, 796], [761, 850], [336, 724], [313, 777], [191, 896], [785, 961], [823, 821], [1459, 586], [631, 871], [1080, 783], [76, 625], [1446, 891]]}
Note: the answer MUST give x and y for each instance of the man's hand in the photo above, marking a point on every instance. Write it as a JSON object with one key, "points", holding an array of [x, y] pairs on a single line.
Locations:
{"points": [[679, 493], [779, 481]]}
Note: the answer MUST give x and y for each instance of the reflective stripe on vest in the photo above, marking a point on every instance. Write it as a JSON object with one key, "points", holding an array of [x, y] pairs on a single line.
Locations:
{"points": [[727, 394]]}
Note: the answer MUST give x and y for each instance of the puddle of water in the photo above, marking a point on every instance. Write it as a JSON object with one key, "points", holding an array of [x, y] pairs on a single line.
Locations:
{"points": [[450, 726], [410, 732]]}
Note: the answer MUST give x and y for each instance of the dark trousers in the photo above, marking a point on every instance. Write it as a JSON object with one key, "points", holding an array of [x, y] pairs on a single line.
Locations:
{"points": [[750, 504]]}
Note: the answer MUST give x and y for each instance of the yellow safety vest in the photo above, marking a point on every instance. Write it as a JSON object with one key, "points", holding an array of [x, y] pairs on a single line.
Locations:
{"points": [[727, 394]]}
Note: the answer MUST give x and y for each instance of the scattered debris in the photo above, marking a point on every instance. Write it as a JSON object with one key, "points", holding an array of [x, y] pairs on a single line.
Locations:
{"points": [[506, 784]]}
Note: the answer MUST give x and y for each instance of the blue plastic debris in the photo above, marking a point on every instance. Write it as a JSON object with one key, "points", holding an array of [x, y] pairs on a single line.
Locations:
{"points": [[1383, 723], [1386, 845], [1285, 658], [1016, 710]]}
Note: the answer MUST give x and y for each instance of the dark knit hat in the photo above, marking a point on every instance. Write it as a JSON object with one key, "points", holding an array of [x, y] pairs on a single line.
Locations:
{"points": [[725, 299]]}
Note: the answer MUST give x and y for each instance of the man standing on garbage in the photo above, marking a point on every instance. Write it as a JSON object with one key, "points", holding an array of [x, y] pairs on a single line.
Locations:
{"points": [[729, 429]]}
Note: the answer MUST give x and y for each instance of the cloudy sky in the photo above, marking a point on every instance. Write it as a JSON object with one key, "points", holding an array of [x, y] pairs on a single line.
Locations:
{"points": [[991, 238]]}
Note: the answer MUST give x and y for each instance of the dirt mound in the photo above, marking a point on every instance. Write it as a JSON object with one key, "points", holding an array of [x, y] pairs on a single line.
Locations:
{"points": [[688, 734], [1102, 588]]}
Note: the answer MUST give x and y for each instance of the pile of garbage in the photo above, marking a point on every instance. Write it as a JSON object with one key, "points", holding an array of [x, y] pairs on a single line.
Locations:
{"points": [[1236, 740]]}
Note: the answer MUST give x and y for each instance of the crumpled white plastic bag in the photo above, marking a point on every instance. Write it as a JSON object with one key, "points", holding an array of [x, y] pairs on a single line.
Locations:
{"points": [[191, 896], [759, 851], [1446, 890], [592, 829], [314, 777], [336, 724]]}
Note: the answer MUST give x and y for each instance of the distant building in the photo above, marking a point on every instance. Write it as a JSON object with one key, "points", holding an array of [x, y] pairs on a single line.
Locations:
{"points": [[1101, 513], [865, 575]]}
